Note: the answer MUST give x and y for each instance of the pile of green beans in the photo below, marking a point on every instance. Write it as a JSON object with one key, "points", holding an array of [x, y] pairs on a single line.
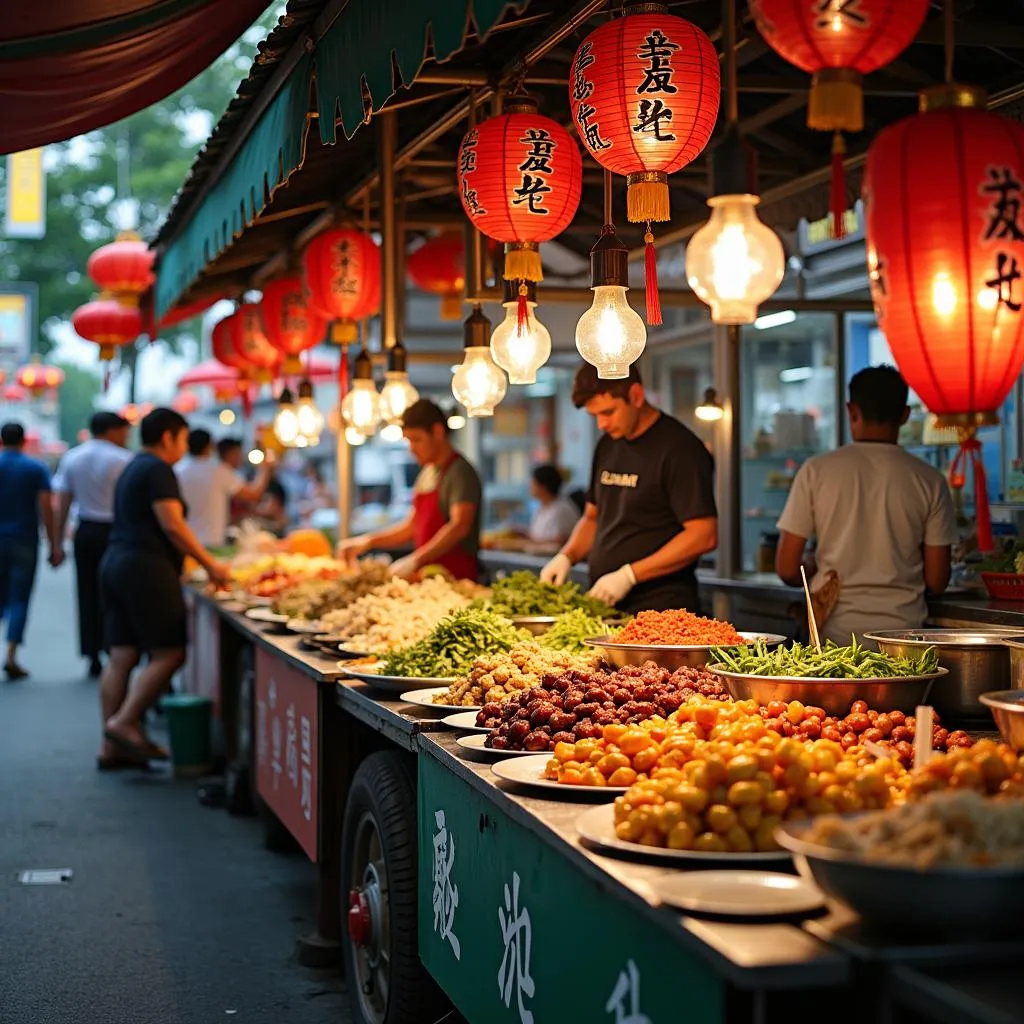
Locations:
{"points": [[832, 662]]}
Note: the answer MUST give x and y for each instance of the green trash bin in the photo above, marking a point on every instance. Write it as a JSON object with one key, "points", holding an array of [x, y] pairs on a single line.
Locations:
{"points": [[188, 725]]}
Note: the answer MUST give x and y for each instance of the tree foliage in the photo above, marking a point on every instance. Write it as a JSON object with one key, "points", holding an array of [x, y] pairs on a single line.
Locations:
{"points": [[77, 398]]}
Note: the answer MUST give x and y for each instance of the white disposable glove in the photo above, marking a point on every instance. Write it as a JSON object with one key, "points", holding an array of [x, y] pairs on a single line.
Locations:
{"points": [[405, 567], [614, 586], [557, 570]]}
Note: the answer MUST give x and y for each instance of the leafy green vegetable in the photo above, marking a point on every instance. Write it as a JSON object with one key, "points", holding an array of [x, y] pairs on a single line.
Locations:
{"points": [[1003, 561], [522, 593], [833, 662], [571, 629], [455, 643]]}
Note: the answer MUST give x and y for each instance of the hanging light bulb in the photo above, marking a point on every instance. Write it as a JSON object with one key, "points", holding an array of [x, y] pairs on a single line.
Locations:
{"points": [[710, 409], [478, 383], [353, 437], [520, 350], [391, 432], [397, 394], [734, 262], [286, 420], [310, 419], [360, 408], [611, 335]]}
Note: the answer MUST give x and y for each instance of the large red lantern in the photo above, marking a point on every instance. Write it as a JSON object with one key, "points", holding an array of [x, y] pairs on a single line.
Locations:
{"points": [[943, 195], [438, 266], [249, 343], [107, 323], [341, 271], [644, 91], [290, 323], [520, 176], [124, 268]]}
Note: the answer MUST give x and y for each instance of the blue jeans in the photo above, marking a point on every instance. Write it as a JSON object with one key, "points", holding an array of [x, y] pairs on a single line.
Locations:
{"points": [[18, 560]]}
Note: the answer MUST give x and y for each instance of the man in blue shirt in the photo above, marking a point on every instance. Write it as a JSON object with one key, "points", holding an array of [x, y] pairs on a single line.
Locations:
{"points": [[25, 490]]}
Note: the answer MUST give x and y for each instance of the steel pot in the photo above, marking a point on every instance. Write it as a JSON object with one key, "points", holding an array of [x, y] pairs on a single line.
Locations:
{"points": [[978, 661]]}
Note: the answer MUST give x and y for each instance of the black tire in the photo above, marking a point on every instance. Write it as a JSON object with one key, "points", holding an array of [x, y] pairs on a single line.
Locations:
{"points": [[383, 796], [240, 778]]}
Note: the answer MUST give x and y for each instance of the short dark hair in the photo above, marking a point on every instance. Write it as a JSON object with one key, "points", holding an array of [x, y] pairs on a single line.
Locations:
{"points": [[424, 415], [155, 424], [227, 444], [587, 385], [104, 422], [12, 435], [198, 441], [548, 477], [880, 392]]}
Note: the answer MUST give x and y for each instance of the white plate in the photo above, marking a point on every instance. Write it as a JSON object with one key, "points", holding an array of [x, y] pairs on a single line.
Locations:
{"points": [[475, 742], [266, 615], [465, 719], [529, 771], [224, 596], [739, 893], [425, 699], [304, 626], [598, 829], [393, 684], [260, 602]]}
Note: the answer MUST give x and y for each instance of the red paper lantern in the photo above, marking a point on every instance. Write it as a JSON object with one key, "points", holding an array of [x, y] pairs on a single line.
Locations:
{"points": [[943, 195], [250, 345], [3, 377], [123, 269], [644, 91], [37, 378], [186, 402], [341, 271], [520, 176], [290, 323], [438, 266], [107, 323], [14, 393]]}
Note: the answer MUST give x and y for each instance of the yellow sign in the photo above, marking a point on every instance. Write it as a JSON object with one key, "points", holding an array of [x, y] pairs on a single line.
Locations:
{"points": [[26, 195], [14, 327], [819, 231]]}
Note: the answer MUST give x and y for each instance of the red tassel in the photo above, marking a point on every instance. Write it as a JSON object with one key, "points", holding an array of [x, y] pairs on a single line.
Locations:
{"points": [[246, 403], [651, 280], [837, 202], [522, 311], [342, 374], [970, 447]]}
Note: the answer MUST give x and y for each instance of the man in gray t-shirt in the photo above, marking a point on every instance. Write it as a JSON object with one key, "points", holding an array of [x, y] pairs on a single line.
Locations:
{"points": [[444, 526], [883, 519]]}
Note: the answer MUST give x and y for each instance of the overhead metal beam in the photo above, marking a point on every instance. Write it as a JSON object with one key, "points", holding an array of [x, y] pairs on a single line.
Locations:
{"points": [[974, 33]]}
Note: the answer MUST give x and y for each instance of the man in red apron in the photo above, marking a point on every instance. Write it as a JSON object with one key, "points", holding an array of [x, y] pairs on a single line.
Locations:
{"points": [[444, 526]]}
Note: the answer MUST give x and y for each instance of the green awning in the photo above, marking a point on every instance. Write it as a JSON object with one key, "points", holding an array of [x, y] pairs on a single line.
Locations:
{"points": [[371, 34], [265, 161]]}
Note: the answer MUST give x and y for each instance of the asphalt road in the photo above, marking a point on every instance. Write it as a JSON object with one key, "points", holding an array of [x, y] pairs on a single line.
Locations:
{"points": [[174, 913]]}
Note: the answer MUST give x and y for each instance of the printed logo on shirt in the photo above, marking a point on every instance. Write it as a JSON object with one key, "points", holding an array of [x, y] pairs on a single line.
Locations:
{"points": [[619, 479]]}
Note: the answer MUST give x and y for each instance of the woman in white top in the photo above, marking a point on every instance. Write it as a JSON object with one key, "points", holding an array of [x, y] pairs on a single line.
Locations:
{"points": [[556, 517]]}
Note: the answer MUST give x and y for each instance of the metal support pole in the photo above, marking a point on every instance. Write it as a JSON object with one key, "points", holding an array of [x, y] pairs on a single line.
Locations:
{"points": [[343, 468], [401, 292], [840, 380], [728, 450], [388, 137]]}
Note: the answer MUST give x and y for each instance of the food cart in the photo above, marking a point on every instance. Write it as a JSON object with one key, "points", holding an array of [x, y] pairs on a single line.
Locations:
{"points": [[433, 874]]}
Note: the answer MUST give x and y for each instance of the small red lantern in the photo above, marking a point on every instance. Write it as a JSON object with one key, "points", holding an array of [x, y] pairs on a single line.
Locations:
{"points": [[37, 378], [124, 268], [438, 266], [520, 176], [186, 402], [943, 195], [290, 323], [3, 377], [341, 272], [108, 324], [250, 344], [14, 393], [644, 91]]}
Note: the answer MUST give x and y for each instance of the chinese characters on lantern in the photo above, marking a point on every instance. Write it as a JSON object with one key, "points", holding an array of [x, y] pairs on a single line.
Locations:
{"points": [[655, 116], [343, 278], [445, 895], [624, 1002], [517, 939], [582, 89], [1003, 223], [837, 15], [535, 168], [467, 164]]}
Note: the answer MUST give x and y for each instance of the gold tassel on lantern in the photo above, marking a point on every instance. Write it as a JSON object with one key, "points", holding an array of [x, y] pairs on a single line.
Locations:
{"points": [[451, 306], [647, 197], [343, 332], [836, 102], [522, 262]]}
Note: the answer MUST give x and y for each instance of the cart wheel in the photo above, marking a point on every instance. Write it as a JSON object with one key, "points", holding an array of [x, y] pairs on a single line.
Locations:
{"points": [[387, 982]]}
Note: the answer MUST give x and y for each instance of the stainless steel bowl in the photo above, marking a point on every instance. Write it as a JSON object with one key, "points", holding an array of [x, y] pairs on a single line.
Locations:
{"points": [[902, 693], [960, 903], [669, 656], [1007, 707], [978, 660]]}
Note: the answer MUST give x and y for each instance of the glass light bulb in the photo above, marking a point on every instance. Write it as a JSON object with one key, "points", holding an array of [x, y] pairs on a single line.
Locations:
{"points": [[734, 262], [361, 406], [396, 396], [227, 417], [520, 355], [391, 432], [311, 420], [353, 437], [286, 425], [611, 335], [256, 457], [478, 383]]}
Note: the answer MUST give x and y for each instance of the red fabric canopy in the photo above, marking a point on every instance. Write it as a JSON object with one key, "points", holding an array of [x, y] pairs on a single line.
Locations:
{"points": [[317, 368], [69, 66]]}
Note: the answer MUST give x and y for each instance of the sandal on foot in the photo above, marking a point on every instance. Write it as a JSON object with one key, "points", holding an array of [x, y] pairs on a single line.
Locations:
{"points": [[144, 750]]}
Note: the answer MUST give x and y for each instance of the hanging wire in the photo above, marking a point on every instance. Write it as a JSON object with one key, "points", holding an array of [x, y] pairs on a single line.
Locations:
{"points": [[609, 217], [948, 43], [364, 324], [729, 39]]}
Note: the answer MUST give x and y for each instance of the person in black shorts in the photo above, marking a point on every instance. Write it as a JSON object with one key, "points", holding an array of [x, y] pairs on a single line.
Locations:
{"points": [[140, 579]]}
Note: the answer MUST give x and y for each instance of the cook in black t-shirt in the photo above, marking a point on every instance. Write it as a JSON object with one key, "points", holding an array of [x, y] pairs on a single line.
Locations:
{"points": [[650, 511]]}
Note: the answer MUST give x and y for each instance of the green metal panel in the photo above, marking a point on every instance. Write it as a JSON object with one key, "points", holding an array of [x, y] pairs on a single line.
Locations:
{"points": [[273, 150], [513, 933]]}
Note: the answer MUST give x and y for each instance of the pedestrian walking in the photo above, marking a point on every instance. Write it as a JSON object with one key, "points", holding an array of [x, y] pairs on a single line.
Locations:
{"points": [[27, 500], [86, 477], [140, 580]]}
